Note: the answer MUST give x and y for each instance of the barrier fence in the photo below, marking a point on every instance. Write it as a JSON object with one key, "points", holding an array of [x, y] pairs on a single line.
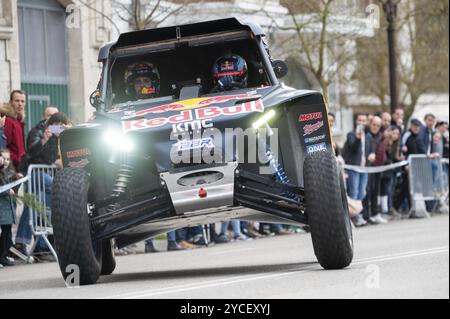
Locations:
{"points": [[428, 179], [36, 200]]}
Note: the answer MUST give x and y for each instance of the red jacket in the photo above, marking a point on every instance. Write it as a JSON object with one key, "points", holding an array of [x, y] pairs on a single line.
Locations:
{"points": [[15, 138]]}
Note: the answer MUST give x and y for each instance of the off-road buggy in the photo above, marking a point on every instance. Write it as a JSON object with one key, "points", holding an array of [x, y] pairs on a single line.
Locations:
{"points": [[144, 167]]}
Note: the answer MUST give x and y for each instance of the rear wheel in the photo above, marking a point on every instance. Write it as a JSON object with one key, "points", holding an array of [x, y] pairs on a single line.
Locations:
{"points": [[71, 226], [327, 211]]}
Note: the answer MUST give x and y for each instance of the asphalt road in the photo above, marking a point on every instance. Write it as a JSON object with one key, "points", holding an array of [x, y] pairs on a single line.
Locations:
{"points": [[403, 259]]}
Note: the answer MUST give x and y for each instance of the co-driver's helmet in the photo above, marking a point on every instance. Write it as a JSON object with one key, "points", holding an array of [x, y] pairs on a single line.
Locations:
{"points": [[150, 75], [230, 72]]}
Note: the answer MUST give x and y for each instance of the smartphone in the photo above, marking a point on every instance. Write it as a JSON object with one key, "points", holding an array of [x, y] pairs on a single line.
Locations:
{"points": [[360, 128], [56, 129]]}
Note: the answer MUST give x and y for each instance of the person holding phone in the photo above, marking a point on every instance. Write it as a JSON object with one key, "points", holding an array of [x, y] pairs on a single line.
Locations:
{"points": [[357, 150], [42, 148]]}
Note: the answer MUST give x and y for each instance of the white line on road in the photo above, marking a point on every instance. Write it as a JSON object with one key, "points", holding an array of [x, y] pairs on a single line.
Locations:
{"points": [[225, 282]]}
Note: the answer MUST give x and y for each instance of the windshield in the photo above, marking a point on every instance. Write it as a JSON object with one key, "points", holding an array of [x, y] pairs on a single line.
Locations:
{"points": [[161, 76]]}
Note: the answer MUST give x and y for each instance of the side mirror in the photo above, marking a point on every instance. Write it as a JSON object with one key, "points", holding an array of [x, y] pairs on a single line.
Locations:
{"points": [[94, 99], [280, 67]]}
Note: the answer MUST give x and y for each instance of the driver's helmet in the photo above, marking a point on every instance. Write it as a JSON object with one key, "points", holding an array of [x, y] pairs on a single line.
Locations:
{"points": [[230, 72], [142, 80]]}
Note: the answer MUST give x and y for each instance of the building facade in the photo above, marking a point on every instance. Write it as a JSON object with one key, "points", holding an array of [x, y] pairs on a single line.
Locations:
{"points": [[49, 49]]}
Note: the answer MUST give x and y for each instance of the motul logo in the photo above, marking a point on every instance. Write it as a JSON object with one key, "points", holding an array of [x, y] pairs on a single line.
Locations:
{"points": [[310, 117]]}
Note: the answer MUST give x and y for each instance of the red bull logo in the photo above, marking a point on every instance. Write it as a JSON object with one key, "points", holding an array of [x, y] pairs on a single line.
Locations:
{"points": [[192, 104], [209, 112]]}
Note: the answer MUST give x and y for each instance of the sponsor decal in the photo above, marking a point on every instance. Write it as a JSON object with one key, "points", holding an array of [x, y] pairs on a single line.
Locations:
{"points": [[192, 104], [311, 128], [316, 148], [206, 113], [314, 139], [310, 117], [78, 153], [195, 144], [192, 126], [80, 164]]}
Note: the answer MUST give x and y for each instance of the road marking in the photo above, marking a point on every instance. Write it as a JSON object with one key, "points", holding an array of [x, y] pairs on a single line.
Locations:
{"points": [[287, 272]]}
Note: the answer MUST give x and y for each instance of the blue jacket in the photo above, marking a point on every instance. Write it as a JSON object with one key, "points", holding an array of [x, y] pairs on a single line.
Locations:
{"points": [[353, 149], [424, 137]]}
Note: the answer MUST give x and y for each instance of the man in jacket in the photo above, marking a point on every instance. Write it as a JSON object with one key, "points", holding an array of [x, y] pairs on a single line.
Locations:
{"points": [[356, 152], [14, 126], [426, 132]]}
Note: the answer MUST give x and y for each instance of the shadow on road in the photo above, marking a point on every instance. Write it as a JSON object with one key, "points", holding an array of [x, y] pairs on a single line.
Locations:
{"points": [[207, 272]]}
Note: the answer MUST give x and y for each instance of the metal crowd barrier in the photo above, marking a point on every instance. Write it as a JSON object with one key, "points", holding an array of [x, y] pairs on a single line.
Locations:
{"points": [[428, 180], [39, 184]]}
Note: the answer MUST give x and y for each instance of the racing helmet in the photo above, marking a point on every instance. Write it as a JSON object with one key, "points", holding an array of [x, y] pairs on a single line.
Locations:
{"points": [[230, 72], [150, 88]]}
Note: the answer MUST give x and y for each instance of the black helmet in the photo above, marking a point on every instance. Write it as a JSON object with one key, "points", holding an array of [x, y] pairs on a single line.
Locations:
{"points": [[142, 69], [230, 72]]}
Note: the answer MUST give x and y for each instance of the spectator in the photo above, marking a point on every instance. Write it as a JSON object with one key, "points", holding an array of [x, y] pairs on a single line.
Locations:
{"points": [[442, 127], [386, 119], [376, 158], [356, 152], [369, 120], [172, 244], [398, 118], [332, 122], [392, 146], [42, 148], [238, 235], [7, 208], [14, 126], [190, 237], [3, 111], [426, 132], [48, 112], [413, 144]]}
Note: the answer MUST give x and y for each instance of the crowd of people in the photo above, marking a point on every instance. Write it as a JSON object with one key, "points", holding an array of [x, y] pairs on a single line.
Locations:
{"points": [[16, 154], [384, 139]]}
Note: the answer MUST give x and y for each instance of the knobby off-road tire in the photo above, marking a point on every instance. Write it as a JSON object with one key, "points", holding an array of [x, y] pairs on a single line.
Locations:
{"points": [[108, 260], [71, 226], [327, 211]]}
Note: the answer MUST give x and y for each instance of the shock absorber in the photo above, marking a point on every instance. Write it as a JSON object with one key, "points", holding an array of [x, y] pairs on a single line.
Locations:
{"points": [[276, 168], [279, 172], [123, 178]]}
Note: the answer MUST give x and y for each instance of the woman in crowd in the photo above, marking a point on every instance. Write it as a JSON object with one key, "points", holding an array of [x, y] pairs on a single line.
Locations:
{"points": [[393, 155], [7, 207]]}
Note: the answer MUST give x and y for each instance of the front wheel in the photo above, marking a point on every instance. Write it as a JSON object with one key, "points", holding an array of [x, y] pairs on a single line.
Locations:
{"points": [[327, 211], [71, 226]]}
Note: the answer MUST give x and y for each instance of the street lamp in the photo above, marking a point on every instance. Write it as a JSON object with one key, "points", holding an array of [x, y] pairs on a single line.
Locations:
{"points": [[390, 8]]}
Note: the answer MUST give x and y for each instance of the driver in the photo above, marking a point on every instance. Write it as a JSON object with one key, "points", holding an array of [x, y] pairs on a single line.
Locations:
{"points": [[230, 72], [142, 81]]}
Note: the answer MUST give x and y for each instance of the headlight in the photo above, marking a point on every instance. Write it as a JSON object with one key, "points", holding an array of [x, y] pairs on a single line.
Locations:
{"points": [[118, 141], [264, 119]]}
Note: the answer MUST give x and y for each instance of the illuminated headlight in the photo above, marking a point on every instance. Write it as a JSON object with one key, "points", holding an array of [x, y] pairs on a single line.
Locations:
{"points": [[264, 119], [117, 141]]}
